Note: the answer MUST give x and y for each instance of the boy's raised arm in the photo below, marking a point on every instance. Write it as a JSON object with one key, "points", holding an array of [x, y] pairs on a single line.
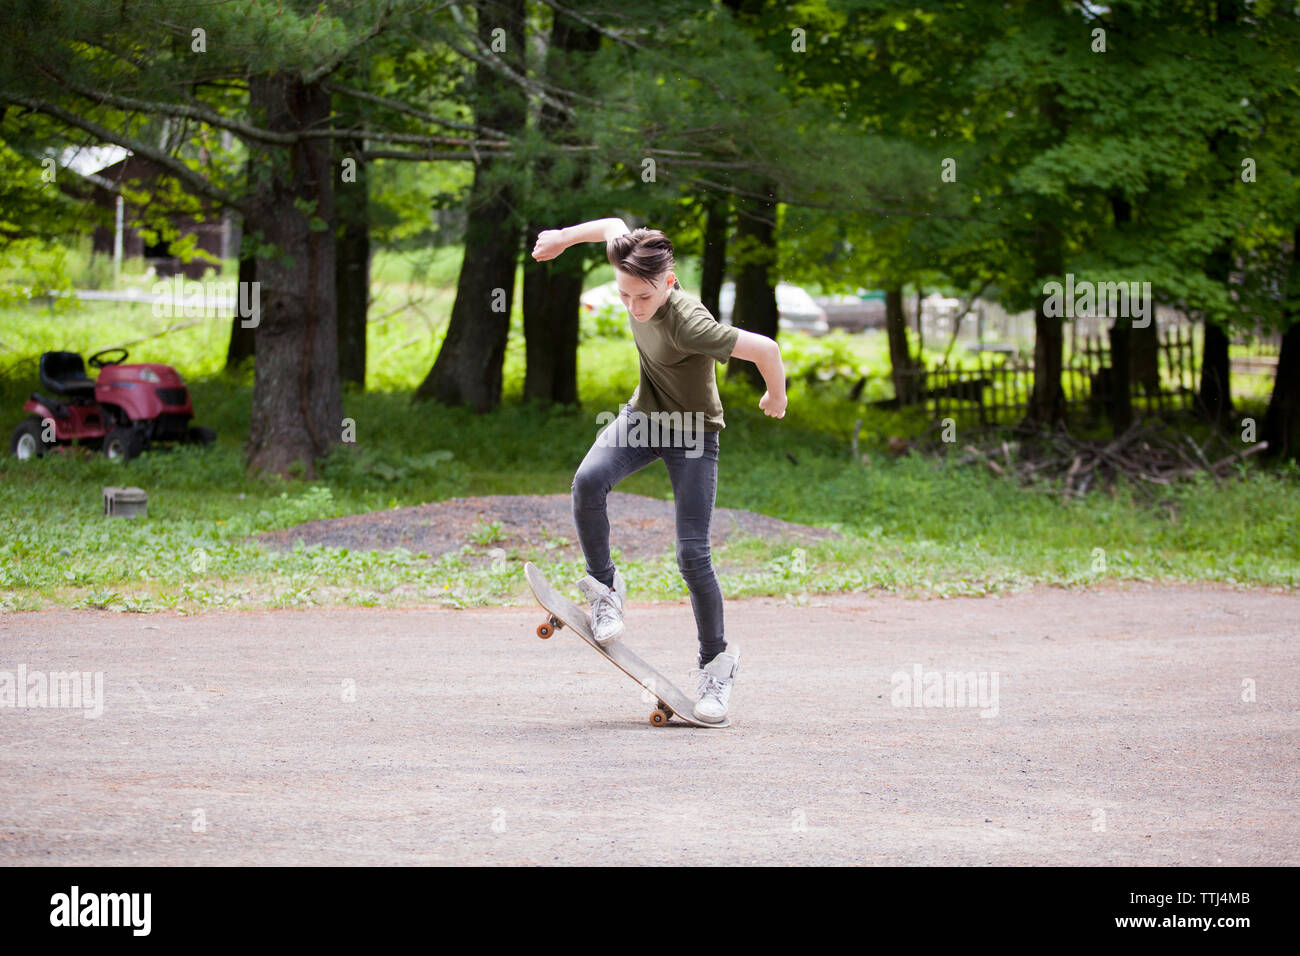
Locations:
{"points": [[551, 242]]}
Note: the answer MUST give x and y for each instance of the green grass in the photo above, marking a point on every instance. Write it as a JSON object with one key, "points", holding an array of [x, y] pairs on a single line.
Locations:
{"points": [[912, 526]]}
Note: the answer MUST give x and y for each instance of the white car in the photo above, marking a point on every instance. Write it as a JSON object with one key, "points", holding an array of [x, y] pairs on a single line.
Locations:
{"points": [[600, 296], [795, 307]]}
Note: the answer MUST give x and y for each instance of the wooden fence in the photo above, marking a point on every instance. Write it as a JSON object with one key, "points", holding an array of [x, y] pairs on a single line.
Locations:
{"points": [[999, 391]]}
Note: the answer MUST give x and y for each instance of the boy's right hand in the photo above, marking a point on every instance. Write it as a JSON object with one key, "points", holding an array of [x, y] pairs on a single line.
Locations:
{"points": [[550, 243], [772, 405]]}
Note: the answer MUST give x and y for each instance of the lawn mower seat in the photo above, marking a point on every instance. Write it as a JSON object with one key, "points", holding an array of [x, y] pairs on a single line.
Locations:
{"points": [[65, 373]]}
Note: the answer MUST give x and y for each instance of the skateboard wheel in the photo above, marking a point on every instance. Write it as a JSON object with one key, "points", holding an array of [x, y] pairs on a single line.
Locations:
{"points": [[660, 717], [545, 630]]}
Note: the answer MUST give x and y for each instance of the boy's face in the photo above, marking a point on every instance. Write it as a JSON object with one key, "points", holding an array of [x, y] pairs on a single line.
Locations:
{"points": [[641, 298]]}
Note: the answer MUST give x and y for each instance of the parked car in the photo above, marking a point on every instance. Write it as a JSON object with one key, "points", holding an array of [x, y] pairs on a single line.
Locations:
{"points": [[795, 307], [855, 312], [601, 296]]}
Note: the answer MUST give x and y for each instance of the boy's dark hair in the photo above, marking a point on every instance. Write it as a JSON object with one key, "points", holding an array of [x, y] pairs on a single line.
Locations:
{"points": [[644, 253]]}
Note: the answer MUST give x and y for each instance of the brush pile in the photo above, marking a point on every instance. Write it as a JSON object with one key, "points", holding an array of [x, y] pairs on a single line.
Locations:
{"points": [[1148, 454]]}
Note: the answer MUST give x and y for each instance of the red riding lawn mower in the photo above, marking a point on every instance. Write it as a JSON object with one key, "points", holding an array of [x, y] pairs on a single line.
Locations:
{"points": [[123, 412]]}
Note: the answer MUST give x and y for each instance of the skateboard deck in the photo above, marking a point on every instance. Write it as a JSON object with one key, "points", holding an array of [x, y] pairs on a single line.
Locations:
{"points": [[563, 612]]}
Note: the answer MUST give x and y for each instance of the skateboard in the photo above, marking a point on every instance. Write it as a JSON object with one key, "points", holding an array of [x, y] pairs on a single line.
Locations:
{"points": [[671, 701]]}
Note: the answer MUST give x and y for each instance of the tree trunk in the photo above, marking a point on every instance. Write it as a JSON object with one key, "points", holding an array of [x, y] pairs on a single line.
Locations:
{"points": [[553, 289], [713, 262], [908, 386], [1282, 420], [1144, 357], [1214, 400], [242, 338], [1119, 397], [468, 370], [920, 330], [1046, 399], [1119, 401], [755, 306], [352, 253], [297, 409], [552, 298]]}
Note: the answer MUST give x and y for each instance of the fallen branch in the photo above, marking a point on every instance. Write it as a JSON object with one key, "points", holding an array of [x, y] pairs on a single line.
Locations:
{"points": [[1147, 455], [993, 465]]}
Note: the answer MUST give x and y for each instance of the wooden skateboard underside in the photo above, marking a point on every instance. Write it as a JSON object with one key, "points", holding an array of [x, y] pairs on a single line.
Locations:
{"points": [[671, 701]]}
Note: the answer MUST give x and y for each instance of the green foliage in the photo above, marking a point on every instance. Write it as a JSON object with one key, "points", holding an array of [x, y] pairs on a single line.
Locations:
{"points": [[32, 268], [607, 322], [1042, 131], [485, 533], [909, 525]]}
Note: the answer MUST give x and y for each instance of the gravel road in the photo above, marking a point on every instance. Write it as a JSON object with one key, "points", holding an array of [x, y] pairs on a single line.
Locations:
{"points": [[1144, 725]]}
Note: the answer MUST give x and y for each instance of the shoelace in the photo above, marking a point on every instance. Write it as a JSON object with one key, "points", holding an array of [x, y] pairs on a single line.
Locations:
{"points": [[710, 686], [602, 609]]}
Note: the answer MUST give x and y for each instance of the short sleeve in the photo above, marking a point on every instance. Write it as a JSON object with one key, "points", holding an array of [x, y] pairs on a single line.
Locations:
{"points": [[701, 332]]}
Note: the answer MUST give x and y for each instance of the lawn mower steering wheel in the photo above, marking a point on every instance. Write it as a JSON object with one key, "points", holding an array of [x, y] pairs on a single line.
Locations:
{"points": [[96, 362]]}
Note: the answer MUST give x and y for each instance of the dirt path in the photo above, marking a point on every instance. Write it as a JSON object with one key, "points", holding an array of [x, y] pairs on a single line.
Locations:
{"points": [[642, 527], [1120, 737]]}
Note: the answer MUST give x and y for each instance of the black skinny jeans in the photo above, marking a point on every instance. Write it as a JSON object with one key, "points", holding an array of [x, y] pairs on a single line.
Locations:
{"points": [[693, 471]]}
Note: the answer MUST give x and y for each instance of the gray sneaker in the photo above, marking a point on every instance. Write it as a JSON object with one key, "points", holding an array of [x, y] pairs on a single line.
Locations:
{"points": [[606, 607], [715, 686]]}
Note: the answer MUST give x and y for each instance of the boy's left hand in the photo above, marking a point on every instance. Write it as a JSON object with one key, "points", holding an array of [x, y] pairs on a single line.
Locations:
{"points": [[772, 406]]}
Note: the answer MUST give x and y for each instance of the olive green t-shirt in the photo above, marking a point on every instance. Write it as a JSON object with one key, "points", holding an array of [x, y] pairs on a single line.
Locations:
{"points": [[678, 346]]}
